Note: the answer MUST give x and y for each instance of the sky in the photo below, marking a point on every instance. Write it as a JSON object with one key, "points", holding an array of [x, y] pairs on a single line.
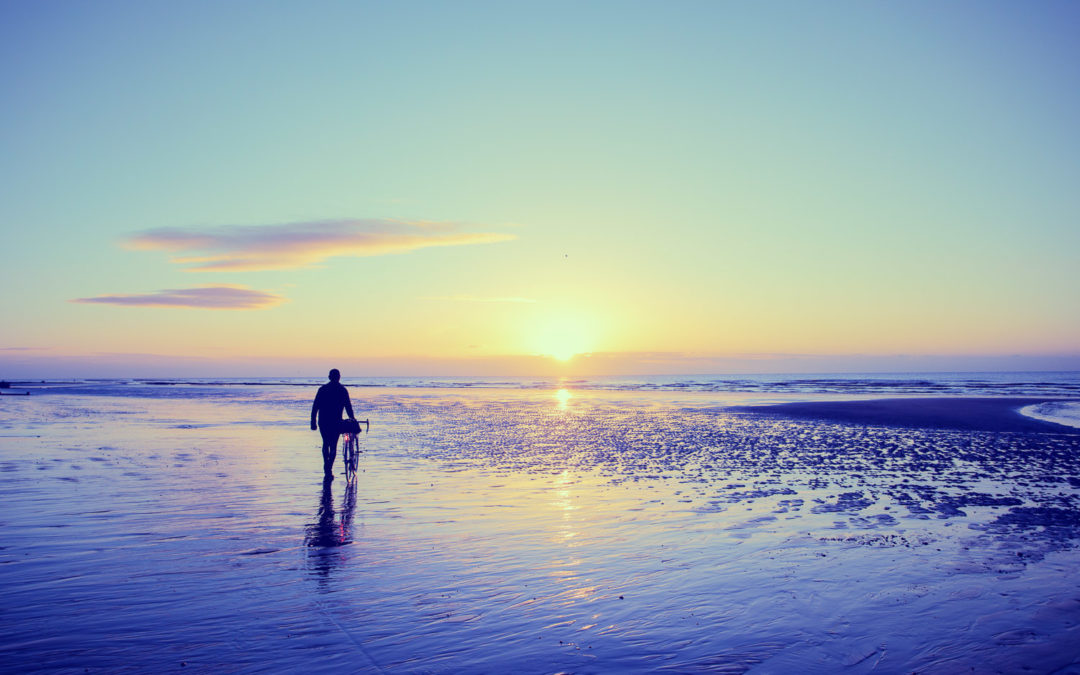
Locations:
{"points": [[454, 188]]}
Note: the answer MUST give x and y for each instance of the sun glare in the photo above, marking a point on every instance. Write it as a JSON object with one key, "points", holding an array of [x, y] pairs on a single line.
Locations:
{"points": [[563, 397], [563, 338], [564, 354]]}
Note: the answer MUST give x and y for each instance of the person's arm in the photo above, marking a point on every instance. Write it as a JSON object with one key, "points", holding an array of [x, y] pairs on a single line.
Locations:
{"points": [[314, 409], [348, 405]]}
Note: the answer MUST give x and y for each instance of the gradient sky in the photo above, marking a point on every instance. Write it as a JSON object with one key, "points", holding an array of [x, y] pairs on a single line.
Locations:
{"points": [[436, 188]]}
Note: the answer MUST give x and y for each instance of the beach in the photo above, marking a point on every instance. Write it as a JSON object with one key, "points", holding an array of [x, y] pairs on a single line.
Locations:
{"points": [[537, 530], [968, 414], [687, 337]]}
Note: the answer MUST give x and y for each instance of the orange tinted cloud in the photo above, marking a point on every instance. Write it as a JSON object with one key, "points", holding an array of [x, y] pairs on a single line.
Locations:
{"points": [[204, 297], [264, 247]]}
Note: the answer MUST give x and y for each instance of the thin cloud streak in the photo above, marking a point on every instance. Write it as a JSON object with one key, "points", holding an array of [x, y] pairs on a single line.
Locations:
{"points": [[477, 298], [204, 297], [265, 247]]}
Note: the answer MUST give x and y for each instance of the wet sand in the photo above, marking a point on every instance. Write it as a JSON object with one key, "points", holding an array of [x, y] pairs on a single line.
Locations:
{"points": [[973, 414], [529, 533]]}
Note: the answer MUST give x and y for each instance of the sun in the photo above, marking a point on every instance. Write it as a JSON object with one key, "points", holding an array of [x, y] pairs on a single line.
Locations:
{"points": [[564, 353], [562, 338]]}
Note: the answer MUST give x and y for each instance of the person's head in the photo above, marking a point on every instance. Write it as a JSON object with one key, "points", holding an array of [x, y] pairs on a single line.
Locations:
{"points": [[335, 375]]}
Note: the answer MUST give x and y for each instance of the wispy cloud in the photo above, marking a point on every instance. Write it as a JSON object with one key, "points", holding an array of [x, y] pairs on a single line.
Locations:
{"points": [[203, 297], [476, 298], [264, 247]]}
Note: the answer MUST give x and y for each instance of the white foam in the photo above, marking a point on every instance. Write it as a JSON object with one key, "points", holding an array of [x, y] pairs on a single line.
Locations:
{"points": [[1058, 412]]}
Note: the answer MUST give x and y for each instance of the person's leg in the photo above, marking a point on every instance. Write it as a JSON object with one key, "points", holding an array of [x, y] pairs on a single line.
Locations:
{"points": [[331, 455], [329, 450]]}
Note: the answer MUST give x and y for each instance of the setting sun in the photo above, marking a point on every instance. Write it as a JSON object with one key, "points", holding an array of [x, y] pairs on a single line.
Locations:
{"points": [[563, 338]]}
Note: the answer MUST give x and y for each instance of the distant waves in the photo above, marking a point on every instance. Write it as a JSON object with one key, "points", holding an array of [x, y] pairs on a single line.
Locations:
{"points": [[1043, 384]]}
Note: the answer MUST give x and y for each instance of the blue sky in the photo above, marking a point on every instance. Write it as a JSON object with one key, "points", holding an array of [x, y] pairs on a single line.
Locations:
{"points": [[708, 181]]}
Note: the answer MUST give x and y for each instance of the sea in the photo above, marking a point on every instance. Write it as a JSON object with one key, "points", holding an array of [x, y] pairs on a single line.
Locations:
{"points": [[716, 389], [535, 525]]}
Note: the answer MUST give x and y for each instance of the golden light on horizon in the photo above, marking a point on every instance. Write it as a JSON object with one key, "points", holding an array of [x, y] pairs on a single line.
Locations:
{"points": [[563, 337]]}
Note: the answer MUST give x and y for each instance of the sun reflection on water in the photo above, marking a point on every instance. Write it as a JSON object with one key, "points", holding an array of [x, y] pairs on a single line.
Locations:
{"points": [[564, 505], [563, 397]]}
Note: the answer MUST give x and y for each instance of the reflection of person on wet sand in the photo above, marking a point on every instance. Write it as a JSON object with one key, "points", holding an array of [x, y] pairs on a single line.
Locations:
{"points": [[327, 530], [330, 531], [331, 399]]}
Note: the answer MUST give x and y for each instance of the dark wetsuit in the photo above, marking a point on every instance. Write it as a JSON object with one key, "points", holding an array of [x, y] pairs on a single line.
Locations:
{"points": [[330, 400]]}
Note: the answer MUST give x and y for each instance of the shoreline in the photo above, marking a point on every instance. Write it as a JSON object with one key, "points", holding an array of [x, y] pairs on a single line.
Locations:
{"points": [[593, 533], [956, 413]]}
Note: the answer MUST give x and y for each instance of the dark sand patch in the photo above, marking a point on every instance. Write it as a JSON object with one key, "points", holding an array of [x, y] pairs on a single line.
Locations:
{"points": [[968, 414]]}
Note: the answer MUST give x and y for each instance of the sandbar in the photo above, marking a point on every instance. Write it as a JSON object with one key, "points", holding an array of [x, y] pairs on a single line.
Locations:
{"points": [[968, 414]]}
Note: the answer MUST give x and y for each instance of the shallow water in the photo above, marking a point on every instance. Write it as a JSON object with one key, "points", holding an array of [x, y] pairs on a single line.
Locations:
{"points": [[531, 531]]}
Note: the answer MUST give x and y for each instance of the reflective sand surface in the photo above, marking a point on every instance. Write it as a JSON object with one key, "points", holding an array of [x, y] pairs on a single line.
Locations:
{"points": [[527, 532]]}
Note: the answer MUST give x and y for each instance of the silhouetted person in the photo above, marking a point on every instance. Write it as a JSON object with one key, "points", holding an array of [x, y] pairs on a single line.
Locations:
{"points": [[330, 400]]}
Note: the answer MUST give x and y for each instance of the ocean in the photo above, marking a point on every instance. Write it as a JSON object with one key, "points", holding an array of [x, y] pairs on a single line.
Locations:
{"points": [[807, 384], [537, 525]]}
